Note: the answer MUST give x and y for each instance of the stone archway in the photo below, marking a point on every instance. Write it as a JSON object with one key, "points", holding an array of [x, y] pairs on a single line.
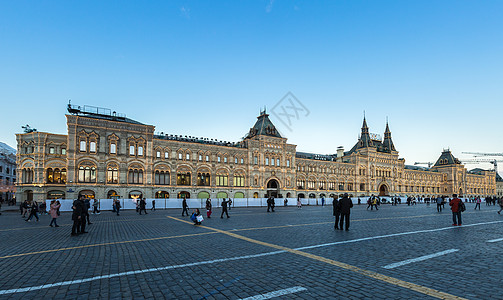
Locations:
{"points": [[273, 188], [383, 190]]}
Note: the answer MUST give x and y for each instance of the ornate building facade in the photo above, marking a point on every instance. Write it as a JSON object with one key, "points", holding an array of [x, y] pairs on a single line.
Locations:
{"points": [[106, 155]]}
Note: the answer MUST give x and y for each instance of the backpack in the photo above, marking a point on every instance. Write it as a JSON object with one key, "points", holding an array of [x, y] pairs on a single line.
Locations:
{"points": [[461, 206]]}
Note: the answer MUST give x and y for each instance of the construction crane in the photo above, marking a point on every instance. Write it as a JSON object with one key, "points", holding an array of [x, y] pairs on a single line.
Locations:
{"points": [[424, 163], [494, 162], [478, 154]]}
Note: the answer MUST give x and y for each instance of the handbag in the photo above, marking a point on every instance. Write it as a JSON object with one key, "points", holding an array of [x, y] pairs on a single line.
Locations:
{"points": [[199, 218]]}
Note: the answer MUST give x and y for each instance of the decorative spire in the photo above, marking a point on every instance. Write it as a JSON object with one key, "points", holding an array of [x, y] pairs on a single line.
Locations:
{"points": [[388, 142]]}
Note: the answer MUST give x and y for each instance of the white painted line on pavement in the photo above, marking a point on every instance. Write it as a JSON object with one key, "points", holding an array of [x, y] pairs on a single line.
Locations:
{"points": [[46, 286], [395, 234], [421, 258], [277, 293], [495, 240]]}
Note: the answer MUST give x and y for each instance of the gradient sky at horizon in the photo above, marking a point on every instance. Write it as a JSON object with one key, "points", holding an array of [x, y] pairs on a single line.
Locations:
{"points": [[206, 68]]}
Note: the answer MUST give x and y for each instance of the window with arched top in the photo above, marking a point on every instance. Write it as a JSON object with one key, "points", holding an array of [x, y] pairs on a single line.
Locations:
{"points": [[203, 178], [161, 177], [87, 173], [135, 175], [56, 176], [239, 180], [183, 178], [113, 173]]}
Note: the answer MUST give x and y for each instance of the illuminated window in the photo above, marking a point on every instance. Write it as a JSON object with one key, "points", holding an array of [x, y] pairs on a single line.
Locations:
{"points": [[166, 154], [140, 151], [113, 148], [51, 150], [131, 150], [92, 147], [158, 154]]}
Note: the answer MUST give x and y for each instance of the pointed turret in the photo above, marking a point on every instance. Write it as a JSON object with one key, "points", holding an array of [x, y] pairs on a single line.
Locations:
{"points": [[263, 126], [388, 142], [365, 140]]}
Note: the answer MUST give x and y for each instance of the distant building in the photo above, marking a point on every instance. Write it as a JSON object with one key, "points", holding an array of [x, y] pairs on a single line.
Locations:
{"points": [[7, 173], [499, 186], [105, 154]]}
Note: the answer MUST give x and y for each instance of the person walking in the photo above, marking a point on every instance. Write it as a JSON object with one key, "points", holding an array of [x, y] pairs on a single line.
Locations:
{"points": [[117, 206], [229, 203], [143, 205], [84, 215], [25, 208], [208, 208], [224, 209], [299, 203], [440, 200], [478, 203], [322, 201], [153, 205], [87, 203], [270, 204], [33, 212], [337, 211], [54, 212], [185, 207], [457, 206], [345, 208], [500, 202], [96, 207]]}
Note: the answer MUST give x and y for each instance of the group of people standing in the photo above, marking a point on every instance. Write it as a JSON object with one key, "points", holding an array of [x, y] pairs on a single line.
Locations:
{"points": [[80, 215], [342, 210], [225, 204]]}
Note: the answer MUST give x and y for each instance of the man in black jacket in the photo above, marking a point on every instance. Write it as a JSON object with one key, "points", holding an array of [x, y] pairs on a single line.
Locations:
{"points": [[78, 209], [224, 209], [345, 204], [185, 207], [337, 211]]}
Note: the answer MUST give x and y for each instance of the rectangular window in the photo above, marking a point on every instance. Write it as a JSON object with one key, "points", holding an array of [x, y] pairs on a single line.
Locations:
{"points": [[200, 157], [140, 151], [207, 158], [235, 160], [180, 156], [63, 151], [239, 181], [222, 180], [158, 154], [187, 156], [255, 160], [92, 147], [272, 162], [277, 162], [288, 163], [131, 150], [218, 158], [242, 161], [51, 150], [267, 161], [225, 159], [166, 154], [83, 146], [113, 149]]}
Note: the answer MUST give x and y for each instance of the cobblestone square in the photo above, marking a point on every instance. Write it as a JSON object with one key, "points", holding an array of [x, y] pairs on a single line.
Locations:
{"points": [[396, 252]]}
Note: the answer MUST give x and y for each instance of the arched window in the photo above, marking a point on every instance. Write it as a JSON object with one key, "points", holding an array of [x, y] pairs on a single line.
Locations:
{"points": [[239, 180], [135, 175], [87, 173], [183, 178], [27, 175], [56, 175], [112, 173], [203, 179], [161, 177]]}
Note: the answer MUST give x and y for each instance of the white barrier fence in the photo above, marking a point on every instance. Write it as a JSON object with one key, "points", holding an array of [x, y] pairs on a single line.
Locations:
{"points": [[162, 203]]}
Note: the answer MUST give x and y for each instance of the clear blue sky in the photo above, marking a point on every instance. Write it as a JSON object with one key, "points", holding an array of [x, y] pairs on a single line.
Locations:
{"points": [[204, 68]]}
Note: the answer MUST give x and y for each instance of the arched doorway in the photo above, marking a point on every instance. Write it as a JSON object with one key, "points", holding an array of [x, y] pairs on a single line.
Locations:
{"points": [[55, 195], [312, 196], [239, 195], [183, 194], [112, 195], [29, 195], [289, 195], [135, 195], [222, 195], [383, 190], [203, 195], [87, 194], [301, 195], [272, 188], [161, 194], [255, 195]]}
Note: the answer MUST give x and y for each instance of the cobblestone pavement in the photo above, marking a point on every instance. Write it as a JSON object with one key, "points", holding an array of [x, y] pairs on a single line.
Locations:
{"points": [[291, 253]]}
